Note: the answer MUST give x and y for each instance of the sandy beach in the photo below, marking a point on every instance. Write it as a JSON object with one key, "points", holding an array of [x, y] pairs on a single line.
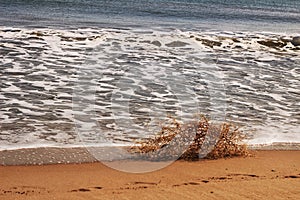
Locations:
{"points": [[99, 98], [264, 175]]}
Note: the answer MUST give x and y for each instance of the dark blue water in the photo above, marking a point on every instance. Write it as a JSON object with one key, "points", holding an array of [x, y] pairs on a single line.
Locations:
{"points": [[178, 13]]}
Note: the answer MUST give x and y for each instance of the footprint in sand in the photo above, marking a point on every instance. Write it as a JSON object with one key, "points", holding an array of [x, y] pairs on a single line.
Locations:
{"points": [[292, 176], [145, 183], [245, 175], [191, 183], [87, 189], [222, 178], [23, 190], [139, 185]]}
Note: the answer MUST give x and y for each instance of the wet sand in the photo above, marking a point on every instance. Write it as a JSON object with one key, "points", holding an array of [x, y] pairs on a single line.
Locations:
{"points": [[265, 175]]}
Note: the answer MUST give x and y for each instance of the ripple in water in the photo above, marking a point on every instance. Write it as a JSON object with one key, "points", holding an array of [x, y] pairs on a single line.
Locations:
{"points": [[127, 81]]}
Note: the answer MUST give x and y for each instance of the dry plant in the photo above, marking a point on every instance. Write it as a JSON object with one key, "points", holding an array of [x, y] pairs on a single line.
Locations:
{"points": [[191, 141]]}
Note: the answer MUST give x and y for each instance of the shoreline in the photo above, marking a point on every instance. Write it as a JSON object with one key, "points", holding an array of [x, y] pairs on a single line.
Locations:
{"points": [[78, 155], [265, 175]]}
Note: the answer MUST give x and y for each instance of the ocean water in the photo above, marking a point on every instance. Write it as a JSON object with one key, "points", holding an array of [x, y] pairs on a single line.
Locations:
{"points": [[97, 72], [274, 15]]}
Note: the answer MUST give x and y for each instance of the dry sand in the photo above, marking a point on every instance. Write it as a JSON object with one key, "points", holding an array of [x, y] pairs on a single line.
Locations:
{"points": [[266, 175]]}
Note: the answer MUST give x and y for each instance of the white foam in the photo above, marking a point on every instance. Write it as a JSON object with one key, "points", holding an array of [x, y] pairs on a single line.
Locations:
{"points": [[62, 45]]}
